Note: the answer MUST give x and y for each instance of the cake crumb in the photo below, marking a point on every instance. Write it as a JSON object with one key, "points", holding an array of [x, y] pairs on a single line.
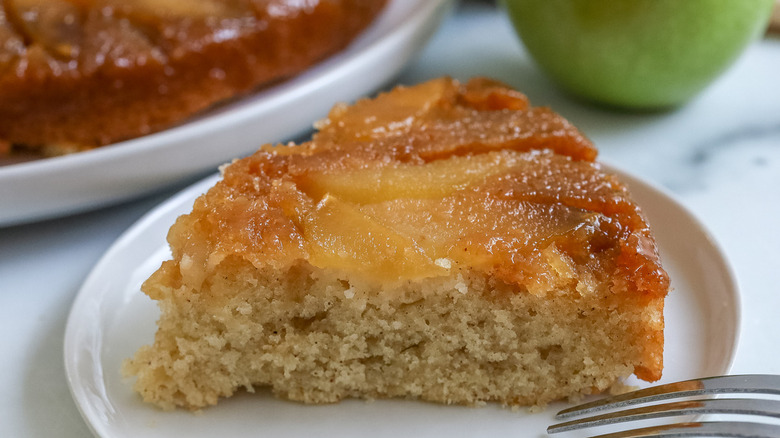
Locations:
{"points": [[461, 285]]}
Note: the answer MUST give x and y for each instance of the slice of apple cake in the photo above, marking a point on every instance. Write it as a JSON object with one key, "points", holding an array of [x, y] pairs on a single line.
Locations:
{"points": [[444, 242]]}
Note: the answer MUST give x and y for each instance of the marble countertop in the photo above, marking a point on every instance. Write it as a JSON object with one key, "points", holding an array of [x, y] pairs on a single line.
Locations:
{"points": [[719, 155]]}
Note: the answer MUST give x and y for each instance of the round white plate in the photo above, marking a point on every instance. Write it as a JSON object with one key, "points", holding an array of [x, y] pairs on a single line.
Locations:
{"points": [[111, 319], [62, 185]]}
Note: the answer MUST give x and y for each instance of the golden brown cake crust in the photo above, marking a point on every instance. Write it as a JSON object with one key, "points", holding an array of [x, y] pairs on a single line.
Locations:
{"points": [[84, 74]]}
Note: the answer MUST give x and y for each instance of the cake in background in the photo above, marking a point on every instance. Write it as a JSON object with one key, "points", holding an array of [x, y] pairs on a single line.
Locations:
{"points": [[78, 75]]}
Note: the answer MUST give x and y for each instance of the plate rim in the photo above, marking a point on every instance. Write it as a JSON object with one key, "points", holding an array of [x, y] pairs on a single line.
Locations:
{"points": [[187, 195]]}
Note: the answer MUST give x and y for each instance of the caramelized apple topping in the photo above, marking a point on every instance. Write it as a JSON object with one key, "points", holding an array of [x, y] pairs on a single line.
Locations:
{"points": [[427, 179]]}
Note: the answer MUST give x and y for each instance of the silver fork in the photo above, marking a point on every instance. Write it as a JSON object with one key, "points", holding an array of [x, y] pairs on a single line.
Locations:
{"points": [[736, 384]]}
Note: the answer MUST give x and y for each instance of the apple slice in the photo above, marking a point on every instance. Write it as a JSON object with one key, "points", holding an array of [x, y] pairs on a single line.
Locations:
{"points": [[343, 238], [54, 25], [13, 45], [387, 114], [433, 180]]}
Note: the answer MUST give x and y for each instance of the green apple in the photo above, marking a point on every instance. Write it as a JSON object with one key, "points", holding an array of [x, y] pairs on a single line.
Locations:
{"points": [[637, 53]]}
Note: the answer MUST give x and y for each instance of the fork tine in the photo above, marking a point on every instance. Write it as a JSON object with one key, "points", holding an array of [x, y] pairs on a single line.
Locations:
{"points": [[768, 408], [749, 383], [739, 429]]}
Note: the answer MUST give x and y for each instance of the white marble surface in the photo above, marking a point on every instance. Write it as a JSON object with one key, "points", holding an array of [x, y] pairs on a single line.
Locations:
{"points": [[720, 155]]}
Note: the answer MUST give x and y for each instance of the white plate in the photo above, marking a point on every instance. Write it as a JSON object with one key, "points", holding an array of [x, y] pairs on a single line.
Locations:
{"points": [[111, 318], [56, 186]]}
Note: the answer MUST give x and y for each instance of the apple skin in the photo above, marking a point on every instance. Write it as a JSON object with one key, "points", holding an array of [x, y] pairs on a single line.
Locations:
{"points": [[643, 54]]}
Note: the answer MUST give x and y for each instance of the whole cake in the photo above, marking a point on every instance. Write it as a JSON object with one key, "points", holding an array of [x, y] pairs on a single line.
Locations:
{"points": [[79, 74], [444, 242]]}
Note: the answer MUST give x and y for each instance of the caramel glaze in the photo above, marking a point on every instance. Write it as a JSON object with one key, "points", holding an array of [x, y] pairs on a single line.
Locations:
{"points": [[423, 180], [90, 72]]}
